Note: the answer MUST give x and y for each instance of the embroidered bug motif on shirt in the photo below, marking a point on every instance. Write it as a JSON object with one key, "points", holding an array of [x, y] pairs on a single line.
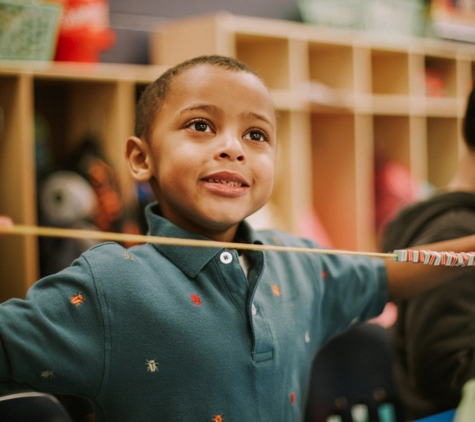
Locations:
{"points": [[77, 299], [324, 274], [218, 418], [276, 290], [152, 365], [196, 299], [292, 398], [47, 374]]}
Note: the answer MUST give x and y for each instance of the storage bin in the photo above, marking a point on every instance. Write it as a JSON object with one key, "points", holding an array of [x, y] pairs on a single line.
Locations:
{"points": [[28, 30], [396, 17], [387, 17], [345, 14]]}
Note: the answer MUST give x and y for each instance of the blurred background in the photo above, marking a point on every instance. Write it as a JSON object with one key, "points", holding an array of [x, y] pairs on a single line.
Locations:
{"points": [[131, 21]]}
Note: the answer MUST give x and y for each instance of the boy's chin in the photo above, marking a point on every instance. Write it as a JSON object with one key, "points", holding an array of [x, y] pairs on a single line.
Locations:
{"points": [[220, 229], [228, 216], [229, 223]]}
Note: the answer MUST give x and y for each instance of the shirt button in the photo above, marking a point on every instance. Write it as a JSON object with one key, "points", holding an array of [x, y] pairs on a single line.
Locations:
{"points": [[226, 257], [254, 309]]}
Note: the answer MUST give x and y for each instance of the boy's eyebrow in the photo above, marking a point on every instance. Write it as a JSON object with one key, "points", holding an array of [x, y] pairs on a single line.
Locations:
{"points": [[251, 115], [206, 107], [216, 110]]}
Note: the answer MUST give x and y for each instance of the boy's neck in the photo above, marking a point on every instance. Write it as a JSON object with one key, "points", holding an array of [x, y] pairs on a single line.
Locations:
{"points": [[218, 236], [225, 235]]}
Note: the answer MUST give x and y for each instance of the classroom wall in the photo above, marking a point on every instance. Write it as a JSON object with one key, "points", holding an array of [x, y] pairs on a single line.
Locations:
{"points": [[132, 20]]}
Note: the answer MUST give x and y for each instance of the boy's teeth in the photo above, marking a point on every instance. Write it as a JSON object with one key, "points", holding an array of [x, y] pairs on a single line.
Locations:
{"points": [[224, 182]]}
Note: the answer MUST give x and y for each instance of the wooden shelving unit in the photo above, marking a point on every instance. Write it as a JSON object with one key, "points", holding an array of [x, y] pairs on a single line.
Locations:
{"points": [[341, 95], [75, 98]]}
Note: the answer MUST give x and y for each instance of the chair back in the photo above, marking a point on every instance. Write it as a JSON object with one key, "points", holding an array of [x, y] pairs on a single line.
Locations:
{"points": [[352, 379], [32, 407]]}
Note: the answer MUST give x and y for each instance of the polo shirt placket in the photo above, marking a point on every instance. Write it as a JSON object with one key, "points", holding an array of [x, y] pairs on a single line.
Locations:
{"points": [[247, 298]]}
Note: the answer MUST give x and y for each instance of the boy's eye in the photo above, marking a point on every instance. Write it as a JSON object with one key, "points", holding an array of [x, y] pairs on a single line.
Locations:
{"points": [[199, 126], [256, 135]]}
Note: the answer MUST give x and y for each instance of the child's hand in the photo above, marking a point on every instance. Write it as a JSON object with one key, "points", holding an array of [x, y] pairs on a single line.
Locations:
{"points": [[5, 221]]}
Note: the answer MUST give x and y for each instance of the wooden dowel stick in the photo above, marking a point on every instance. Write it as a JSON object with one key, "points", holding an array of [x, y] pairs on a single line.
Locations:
{"points": [[25, 230]]}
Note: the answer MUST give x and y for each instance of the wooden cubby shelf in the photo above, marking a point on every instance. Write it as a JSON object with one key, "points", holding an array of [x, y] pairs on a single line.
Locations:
{"points": [[74, 99]]}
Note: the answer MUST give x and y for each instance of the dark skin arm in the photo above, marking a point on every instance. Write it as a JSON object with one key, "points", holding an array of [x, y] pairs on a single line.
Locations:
{"points": [[407, 279]]}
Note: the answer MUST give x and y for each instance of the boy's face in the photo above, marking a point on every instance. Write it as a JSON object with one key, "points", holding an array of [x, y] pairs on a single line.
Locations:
{"points": [[211, 154]]}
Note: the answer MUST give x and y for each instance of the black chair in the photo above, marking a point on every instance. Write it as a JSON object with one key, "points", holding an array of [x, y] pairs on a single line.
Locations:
{"points": [[352, 379], [32, 407]]}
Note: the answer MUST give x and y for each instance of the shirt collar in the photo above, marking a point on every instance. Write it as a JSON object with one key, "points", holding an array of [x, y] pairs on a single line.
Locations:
{"points": [[189, 259]]}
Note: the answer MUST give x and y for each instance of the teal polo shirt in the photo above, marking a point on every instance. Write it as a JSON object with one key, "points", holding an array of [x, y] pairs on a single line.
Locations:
{"points": [[173, 333]]}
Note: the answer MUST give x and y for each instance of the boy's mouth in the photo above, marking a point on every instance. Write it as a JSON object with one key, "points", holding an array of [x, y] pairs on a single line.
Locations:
{"points": [[225, 182], [226, 187], [225, 178]]}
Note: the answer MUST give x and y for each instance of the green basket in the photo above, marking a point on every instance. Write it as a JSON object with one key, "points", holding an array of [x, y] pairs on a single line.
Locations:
{"points": [[343, 14], [382, 17], [28, 30]]}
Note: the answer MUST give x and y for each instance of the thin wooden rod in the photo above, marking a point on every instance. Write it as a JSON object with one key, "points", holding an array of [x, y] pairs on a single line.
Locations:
{"points": [[25, 230]]}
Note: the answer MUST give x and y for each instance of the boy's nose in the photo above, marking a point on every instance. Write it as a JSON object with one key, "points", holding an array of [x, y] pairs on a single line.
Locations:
{"points": [[231, 148]]}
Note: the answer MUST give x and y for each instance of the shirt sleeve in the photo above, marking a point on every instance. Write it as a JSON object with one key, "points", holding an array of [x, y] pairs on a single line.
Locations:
{"points": [[54, 340], [354, 291]]}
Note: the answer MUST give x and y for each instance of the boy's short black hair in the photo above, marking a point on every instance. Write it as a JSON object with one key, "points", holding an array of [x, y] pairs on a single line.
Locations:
{"points": [[469, 121], [153, 96]]}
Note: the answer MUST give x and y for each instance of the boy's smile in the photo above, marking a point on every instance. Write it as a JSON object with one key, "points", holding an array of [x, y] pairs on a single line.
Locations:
{"points": [[211, 154], [226, 183]]}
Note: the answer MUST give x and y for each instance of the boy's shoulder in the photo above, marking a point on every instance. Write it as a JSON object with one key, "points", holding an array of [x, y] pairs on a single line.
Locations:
{"points": [[105, 248], [113, 252], [111, 259]]}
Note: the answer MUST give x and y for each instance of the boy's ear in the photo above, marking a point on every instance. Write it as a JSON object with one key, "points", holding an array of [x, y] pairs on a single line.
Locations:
{"points": [[138, 156]]}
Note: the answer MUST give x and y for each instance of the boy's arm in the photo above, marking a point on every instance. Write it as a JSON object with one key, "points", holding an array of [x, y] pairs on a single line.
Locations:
{"points": [[54, 340], [408, 279]]}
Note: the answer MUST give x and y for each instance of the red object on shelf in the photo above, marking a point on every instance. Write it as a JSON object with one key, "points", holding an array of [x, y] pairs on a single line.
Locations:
{"points": [[84, 31], [435, 82], [395, 188]]}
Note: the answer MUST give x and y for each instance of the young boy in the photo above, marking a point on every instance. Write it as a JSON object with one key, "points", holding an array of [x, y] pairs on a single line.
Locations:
{"points": [[165, 333]]}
